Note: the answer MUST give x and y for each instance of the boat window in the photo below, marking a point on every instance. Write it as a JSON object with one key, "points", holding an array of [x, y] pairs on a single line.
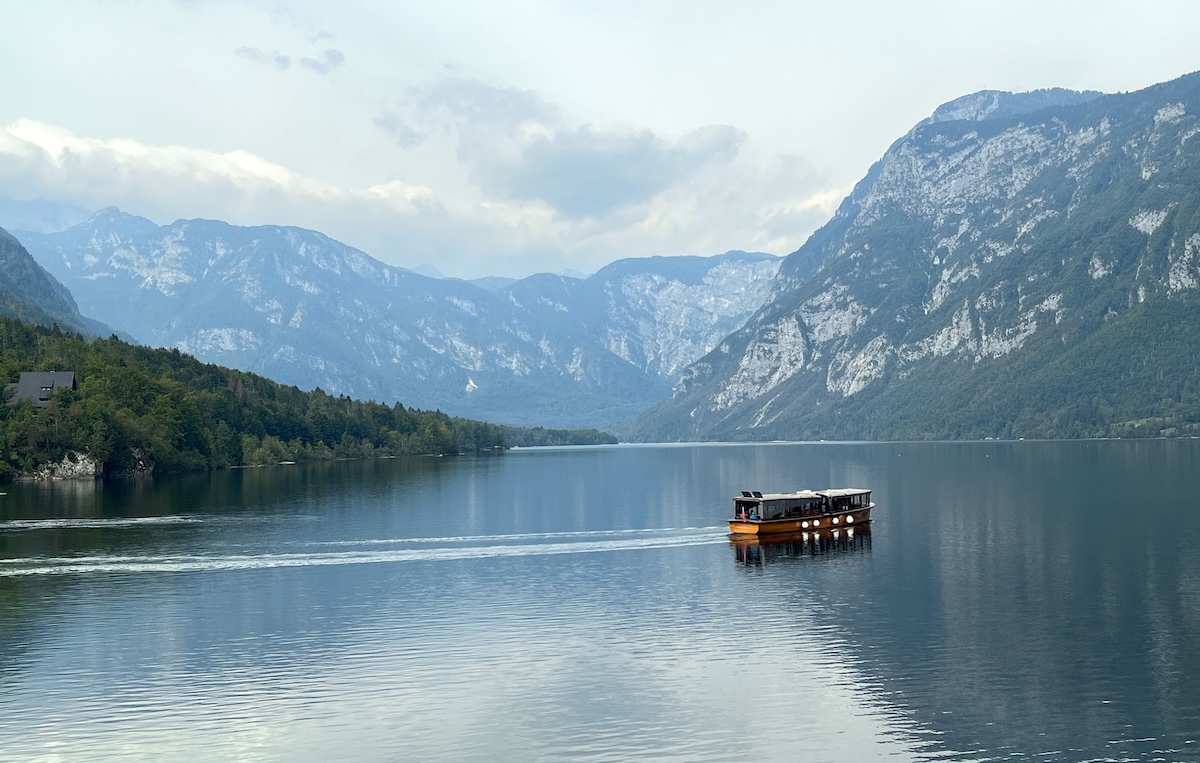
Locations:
{"points": [[774, 509]]}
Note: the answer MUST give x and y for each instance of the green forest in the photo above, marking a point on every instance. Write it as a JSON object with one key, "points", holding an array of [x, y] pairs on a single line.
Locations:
{"points": [[140, 408]]}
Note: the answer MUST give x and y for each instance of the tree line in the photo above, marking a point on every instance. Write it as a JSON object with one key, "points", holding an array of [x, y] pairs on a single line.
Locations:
{"points": [[138, 407]]}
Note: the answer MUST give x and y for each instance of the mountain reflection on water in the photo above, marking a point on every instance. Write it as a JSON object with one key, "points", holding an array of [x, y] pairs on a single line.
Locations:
{"points": [[1027, 599], [1036, 600]]}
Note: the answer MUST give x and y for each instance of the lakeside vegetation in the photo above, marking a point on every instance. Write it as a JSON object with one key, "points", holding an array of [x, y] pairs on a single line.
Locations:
{"points": [[139, 407]]}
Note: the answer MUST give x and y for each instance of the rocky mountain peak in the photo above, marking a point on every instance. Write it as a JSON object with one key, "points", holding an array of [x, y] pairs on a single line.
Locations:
{"points": [[949, 291], [997, 104]]}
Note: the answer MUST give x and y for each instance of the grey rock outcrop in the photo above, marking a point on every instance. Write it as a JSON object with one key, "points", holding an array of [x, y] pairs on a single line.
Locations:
{"points": [[73, 466]]}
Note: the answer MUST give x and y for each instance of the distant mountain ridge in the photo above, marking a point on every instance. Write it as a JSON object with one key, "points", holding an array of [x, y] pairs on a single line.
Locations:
{"points": [[1016, 265], [299, 307]]}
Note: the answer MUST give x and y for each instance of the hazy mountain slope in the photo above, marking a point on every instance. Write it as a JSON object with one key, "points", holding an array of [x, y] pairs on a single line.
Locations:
{"points": [[302, 308], [31, 294], [662, 313], [656, 313], [973, 281]]}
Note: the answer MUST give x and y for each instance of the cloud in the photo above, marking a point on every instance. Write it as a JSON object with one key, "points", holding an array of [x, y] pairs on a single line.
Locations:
{"points": [[751, 203], [274, 58], [471, 102], [701, 193], [404, 135], [511, 186], [397, 222], [329, 60], [161, 181], [521, 148], [591, 173]]}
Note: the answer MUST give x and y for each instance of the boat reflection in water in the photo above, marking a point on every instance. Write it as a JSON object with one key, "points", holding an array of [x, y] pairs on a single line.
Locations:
{"points": [[761, 550]]}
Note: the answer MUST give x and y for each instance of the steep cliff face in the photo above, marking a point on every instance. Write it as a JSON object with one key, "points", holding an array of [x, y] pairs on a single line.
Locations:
{"points": [[299, 307], [996, 240]]}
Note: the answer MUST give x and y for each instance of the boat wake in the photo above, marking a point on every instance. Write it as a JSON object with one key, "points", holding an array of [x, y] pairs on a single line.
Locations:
{"points": [[516, 537], [375, 552], [18, 525]]}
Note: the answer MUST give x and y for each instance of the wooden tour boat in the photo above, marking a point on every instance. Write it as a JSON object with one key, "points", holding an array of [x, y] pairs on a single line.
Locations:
{"points": [[756, 513]]}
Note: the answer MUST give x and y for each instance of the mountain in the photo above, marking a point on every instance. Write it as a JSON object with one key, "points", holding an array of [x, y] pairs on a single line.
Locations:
{"points": [[1018, 265], [31, 294], [998, 104], [299, 307], [492, 283], [657, 313], [429, 271]]}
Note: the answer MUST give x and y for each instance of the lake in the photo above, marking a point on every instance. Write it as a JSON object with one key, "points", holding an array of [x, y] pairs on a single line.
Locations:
{"points": [[1028, 600]]}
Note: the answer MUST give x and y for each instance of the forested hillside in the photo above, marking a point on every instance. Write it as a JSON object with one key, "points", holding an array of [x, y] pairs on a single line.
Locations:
{"points": [[140, 408]]}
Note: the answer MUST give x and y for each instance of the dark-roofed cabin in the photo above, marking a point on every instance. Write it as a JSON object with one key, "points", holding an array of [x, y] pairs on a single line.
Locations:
{"points": [[38, 386]]}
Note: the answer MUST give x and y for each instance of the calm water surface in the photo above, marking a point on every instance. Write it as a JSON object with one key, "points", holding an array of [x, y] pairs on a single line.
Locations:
{"points": [[1035, 601]]}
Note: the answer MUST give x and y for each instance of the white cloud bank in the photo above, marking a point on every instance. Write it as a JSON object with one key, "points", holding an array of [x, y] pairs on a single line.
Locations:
{"points": [[520, 148], [546, 196]]}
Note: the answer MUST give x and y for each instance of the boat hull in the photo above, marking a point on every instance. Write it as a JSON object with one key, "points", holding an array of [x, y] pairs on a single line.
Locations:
{"points": [[841, 519]]}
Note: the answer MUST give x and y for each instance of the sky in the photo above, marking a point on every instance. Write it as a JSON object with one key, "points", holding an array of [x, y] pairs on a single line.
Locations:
{"points": [[519, 136]]}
